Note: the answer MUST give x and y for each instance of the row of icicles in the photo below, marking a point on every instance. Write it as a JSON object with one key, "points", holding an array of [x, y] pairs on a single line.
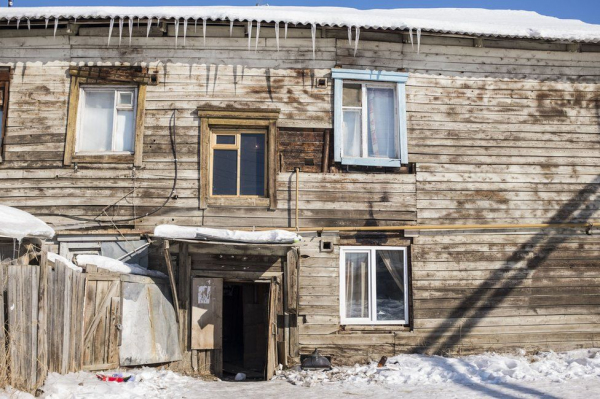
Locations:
{"points": [[313, 30]]}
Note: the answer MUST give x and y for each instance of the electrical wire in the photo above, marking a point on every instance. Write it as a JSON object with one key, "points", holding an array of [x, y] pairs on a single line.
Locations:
{"points": [[172, 137]]}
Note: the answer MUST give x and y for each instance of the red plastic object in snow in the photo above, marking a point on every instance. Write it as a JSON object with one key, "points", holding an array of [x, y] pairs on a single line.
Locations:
{"points": [[113, 378]]}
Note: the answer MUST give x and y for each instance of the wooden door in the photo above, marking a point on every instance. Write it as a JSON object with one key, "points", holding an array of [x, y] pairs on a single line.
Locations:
{"points": [[207, 319], [272, 330]]}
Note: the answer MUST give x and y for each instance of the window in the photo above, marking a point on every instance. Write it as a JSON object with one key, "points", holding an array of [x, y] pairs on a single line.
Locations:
{"points": [[106, 120], [106, 114], [4, 81], [373, 285], [238, 157], [239, 163], [370, 118]]}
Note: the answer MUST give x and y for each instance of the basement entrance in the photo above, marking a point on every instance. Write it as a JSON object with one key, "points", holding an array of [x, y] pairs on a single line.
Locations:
{"points": [[245, 329]]}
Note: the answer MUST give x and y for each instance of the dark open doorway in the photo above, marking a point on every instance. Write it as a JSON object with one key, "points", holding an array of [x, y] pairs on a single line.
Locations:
{"points": [[245, 329]]}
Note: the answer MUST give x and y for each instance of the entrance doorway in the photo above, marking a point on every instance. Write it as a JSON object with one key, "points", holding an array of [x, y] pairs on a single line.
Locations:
{"points": [[245, 325], [235, 324]]}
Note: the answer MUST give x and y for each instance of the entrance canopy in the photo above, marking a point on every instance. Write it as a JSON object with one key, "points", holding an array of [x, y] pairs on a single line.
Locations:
{"points": [[224, 235]]}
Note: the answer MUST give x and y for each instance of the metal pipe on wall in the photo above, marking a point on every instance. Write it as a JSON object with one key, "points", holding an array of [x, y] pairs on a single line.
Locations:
{"points": [[297, 171]]}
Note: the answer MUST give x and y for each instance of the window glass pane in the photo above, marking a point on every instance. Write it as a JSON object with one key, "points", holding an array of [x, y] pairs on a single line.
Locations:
{"points": [[95, 132], [389, 275], [225, 139], [252, 164], [352, 95], [381, 123], [351, 128], [1, 124], [125, 98], [225, 172], [357, 285], [124, 136]]}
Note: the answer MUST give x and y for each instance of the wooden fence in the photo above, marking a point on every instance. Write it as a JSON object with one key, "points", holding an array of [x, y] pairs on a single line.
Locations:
{"points": [[44, 305]]}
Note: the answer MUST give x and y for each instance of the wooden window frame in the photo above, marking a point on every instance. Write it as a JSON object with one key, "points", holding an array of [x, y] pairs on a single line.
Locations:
{"points": [[4, 88], [219, 119], [366, 78], [372, 292], [71, 156], [237, 146]]}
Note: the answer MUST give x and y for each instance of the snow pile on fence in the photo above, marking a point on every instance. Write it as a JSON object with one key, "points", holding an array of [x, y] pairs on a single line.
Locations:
{"points": [[471, 21], [116, 266], [223, 235], [486, 368], [52, 257], [18, 224]]}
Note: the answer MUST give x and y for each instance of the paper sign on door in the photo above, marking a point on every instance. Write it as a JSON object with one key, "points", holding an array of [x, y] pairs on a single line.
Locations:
{"points": [[204, 294]]}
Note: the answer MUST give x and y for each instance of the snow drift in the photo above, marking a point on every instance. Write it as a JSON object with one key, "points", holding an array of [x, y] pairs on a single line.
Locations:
{"points": [[471, 21], [15, 223], [223, 235], [53, 257], [116, 266]]}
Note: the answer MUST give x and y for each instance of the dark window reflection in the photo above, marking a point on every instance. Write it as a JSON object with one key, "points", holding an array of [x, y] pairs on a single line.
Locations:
{"points": [[252, 164], [225, 172]]}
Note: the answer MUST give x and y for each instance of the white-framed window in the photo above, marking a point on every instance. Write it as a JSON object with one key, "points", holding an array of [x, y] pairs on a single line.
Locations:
{"points": [[370, 117], [106, 120], [373, 285]]}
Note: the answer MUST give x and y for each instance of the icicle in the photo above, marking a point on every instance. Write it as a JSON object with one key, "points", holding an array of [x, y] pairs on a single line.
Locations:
{"points": [[313, 34], [110, 29], [204, 30], [231, 27], [8, 22], [176, 31], [185, 23], [418, 40], [120, 30], [158, 22], [277, 35], [46, 22], [18, 22], [75, 20], [149, 27], [412, 45], [249, 33], [55, 26], [28, 24], [130, 30], [356, 40], [285, 31], [349, 36], [257, 35], [138, 22], [195, 25]]}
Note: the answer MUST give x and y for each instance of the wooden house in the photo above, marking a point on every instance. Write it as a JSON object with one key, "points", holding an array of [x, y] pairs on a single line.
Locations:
{"points": [[441, 166]]}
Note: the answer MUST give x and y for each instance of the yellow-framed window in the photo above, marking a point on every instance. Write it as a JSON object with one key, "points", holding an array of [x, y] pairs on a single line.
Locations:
{"points": [[238, 163]]}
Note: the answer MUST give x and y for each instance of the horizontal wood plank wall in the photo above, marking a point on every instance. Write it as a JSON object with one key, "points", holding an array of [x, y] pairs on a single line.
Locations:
{"points": [[498, 135]]}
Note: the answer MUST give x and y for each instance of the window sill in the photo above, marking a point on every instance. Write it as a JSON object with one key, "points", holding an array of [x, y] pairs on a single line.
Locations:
{"points": [[238, 201], [99, 158], [390, 163], [374, 327]]}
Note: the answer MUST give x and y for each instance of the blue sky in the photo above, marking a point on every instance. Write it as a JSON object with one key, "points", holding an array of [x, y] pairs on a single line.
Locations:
{"points": [[585, 10]]}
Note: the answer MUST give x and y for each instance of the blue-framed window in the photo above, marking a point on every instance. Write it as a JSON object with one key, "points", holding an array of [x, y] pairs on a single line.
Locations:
{"points": [[370, 117]]}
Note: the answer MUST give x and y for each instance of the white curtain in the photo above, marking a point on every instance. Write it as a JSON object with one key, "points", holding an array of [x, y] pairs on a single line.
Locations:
{"points": [[381, 123], [97, 121], [357, 285], [351, 133]]}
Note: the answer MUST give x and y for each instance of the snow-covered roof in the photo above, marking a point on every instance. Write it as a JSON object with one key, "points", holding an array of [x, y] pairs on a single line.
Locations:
{"points": [[470, 21], [15, 223], [224, 235]]}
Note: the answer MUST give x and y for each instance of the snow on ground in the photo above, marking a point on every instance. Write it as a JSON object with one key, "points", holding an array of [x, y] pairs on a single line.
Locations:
{"points": [[116, 266], [574, 374], [15, 223]]}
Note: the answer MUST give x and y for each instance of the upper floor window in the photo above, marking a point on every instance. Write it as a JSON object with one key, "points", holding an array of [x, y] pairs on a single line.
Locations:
{"points": [[373, 285], [106, 114], [239, 163], [370, 117], [106, 122]]}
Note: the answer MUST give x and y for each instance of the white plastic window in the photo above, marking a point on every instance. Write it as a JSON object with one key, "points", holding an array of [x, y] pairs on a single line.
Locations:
{"points": [[373, 285], [369, 124], [106, 120]]}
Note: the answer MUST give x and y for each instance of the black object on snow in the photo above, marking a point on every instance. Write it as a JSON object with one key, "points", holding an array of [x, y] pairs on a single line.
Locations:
{"points": [[316, 362]]}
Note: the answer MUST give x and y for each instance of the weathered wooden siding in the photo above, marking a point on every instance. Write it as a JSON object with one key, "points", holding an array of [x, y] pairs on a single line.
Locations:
{"points": [[507, 133]]}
